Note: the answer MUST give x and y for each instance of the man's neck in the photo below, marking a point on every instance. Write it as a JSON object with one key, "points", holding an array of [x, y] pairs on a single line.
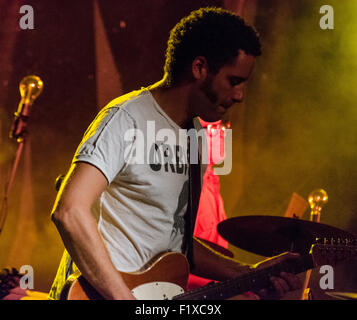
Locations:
{"points": [[174, 101]]}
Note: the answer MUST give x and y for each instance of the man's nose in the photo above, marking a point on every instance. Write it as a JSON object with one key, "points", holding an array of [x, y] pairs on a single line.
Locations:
{"points": [[238, 94]]}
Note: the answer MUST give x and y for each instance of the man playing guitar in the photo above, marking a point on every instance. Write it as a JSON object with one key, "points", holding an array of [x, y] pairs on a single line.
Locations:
{"points": [[115, 214]]}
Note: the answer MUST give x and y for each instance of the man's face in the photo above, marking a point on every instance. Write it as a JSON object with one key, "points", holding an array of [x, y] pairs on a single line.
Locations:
{"points": [[220, 91]]}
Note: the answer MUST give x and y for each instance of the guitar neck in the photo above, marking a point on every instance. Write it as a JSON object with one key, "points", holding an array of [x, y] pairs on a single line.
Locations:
{"points": [[252, 281]]}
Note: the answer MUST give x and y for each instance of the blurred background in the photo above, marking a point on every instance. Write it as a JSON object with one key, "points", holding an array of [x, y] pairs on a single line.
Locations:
{"points": [[295, 132]]}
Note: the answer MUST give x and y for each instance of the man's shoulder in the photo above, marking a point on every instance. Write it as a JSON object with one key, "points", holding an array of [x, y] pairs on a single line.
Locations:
{"points": [[116, 115], [128, 101]]}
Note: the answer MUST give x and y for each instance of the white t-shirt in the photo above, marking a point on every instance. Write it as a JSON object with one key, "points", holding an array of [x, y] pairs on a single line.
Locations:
{"points": [[140, 214]]}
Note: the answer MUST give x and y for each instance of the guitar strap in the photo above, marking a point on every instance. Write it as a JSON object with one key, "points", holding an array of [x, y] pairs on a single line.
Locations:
{"points": [[194, 192]]}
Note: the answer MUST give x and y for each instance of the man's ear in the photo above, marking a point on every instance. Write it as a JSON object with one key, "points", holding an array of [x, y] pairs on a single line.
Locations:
{"points": [[200, 68]]}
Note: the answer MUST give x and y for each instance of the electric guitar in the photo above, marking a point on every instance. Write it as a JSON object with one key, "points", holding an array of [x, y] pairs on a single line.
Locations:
{"points": [[166, 276]]}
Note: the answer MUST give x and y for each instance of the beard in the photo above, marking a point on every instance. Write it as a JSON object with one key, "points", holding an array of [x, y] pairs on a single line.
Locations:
{"points": [[211, 100], [208, 91]]}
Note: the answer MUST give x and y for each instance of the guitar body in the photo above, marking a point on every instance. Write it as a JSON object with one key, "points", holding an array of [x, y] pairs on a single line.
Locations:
{"points": [[162, 278]]}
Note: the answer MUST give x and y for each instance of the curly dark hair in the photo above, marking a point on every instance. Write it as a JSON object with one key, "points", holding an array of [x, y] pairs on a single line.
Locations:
{"points": [[214, 33]]}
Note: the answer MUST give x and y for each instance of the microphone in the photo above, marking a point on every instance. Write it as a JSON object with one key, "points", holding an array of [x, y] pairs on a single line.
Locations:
{"points": [[30, 88]]}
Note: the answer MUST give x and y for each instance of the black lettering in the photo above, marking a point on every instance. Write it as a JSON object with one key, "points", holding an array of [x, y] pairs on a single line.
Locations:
{"points": [[179, 156], [154, 154], [168, 157]]}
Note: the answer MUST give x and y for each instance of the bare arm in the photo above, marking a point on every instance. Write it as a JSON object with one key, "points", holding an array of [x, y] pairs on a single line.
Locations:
{"points": [[210, 264], [72, 216]]}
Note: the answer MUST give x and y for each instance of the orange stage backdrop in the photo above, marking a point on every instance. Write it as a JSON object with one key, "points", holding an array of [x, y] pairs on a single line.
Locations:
{"points": [[295, 132]]}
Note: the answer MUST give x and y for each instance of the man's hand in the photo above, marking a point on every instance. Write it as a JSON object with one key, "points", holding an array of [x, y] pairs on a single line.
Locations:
{"points": [[212, 266], [280, 285]]}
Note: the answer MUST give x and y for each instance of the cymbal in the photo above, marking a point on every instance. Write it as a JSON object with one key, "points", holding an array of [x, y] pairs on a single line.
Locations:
{"points": [[271, 235], [217, 247], [343, 295]]}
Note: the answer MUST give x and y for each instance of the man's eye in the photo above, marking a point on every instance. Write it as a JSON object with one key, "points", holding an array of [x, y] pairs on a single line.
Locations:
{"points": [[234, 81]]}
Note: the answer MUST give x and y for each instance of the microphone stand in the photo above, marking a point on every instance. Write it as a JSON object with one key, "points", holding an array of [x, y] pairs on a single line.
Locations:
{"points": [[30, 88], [9, 183]]}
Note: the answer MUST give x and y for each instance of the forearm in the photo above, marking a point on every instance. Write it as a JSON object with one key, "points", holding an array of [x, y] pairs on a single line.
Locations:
{"points": [[80, 235], [212, 265]]}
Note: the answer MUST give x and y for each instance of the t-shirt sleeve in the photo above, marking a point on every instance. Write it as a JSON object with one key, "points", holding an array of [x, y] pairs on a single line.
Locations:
{"points": [[103, 144]]}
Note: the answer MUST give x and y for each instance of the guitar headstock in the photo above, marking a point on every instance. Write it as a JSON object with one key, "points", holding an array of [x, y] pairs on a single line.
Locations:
{"points": [[331, 251]]}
